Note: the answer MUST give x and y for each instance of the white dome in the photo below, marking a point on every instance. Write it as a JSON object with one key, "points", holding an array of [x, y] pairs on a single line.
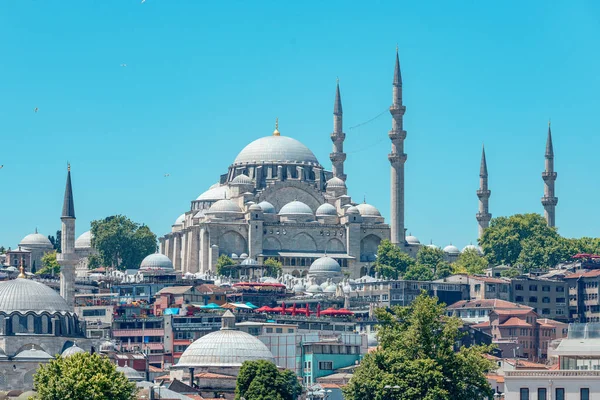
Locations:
{"points": [[156, 261], [314, 289], [412, 240], [180, 219], [72, 350], [241, 180], [224, 348], [224, 207], [273, 149], [295, 208], [131, 374], [234, 256], [450, 249], [367, 210], [243, 256], [84, 241], [324, 266], [298, 287], [34, 354], [23, 295], [215, 192], [249, 261], [352, 210], [472, 247], [255, 207], [336, 182], [35, 240], [267, 207], [330, 289], [433, 246], [326, 210]]}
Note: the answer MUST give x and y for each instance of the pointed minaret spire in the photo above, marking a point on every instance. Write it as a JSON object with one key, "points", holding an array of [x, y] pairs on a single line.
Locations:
{"points": [[483, 216], [68, 205], [397, 158], [67, 257], [338, 156], [549, 201]]}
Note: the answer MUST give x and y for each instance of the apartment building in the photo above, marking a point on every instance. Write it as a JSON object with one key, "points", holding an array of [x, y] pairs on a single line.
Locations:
{"points": [[547, 297], [482, 287], [584, 305]]}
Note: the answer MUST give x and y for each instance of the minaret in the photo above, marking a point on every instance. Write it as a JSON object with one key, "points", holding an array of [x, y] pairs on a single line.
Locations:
{"points": [[397, 158], [67, 258], [483, 216], [337, 137], [549, 200]]}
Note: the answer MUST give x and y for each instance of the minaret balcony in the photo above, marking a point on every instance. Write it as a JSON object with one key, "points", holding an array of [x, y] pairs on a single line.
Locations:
{"points": [[337, 136], [549, 176], [483, 217], [483, 194], [396, 159], [337, 157], [549, 201], [397, 135], [397, 110]]}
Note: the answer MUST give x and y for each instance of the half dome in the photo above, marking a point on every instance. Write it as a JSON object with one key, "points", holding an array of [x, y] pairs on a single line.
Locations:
{"points": [[180, 219]]}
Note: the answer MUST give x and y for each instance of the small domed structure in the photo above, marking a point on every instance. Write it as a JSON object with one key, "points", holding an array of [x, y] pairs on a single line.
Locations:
{"points": [[180, 219], [336, 183], [214, 193], [156, 261], [267, 207], [296, 211], [35, 240], [352, 210], [23, 295], [324, 268], [234, 256], [255, 207], [72, 350], [249, 261], [243, 256], [326, 210], [241, 179], [367, 210], [84, 241], [131, 374], [314, 289], [451, 250], [412, 240], [472, 247], [224, 208]]}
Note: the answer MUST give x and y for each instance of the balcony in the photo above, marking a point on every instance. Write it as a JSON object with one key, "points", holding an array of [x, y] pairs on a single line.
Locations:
{"points": [[552, 374], [137, 332], [201, 326]]}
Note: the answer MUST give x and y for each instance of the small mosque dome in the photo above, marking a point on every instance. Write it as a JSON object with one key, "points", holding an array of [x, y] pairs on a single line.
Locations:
{"points": [[368, 210], [131, 374], [412, 240], [241, 179], [336, 183], [243, 256], [451, 250], [32, 354], [224, 206], [234, 256], [84, 241], [255, 207], [324, 266], [180, 219], [314, 289], [326, 210], [72, 350], [298, 287], [295, 208], [24, 295], [107, 346], [332, 288], [35, 240], [214, 193], [156, 261], [472, 247], [249, 261], [267, 207], [433, 246], [352, 210]]}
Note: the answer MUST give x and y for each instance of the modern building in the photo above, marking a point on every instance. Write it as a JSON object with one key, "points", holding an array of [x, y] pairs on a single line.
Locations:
{"points": [[478, 311], [584, 302], [482, 287], [548, 297]]}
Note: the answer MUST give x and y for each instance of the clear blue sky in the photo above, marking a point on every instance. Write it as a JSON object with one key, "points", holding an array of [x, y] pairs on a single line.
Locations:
{"points": [[203, 79]]}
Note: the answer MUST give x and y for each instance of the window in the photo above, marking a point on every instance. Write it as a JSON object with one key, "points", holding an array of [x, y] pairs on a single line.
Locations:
{"points": [[560, 300], [524, 394], [584, 393], [269, 330], [545, 299], [545, 311], [519, 299], [278, 330], [545, 288], [478, 288], [560, 289], [533, 299], [101, 312], [533, 288], [290, 330], [559, 394], [326, 365], [542, 394], [519, 287]]}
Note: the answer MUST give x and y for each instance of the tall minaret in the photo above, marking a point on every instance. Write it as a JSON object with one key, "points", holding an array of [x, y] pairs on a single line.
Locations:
{"points": [[549, 200], [483, 216], [397, 158], [67, 258], [337, 137]]}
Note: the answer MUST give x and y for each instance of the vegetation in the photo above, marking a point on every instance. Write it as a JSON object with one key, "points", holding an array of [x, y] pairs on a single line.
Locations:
{"points": [[82, 376], [416, 353], [122, 243], [2, 249], [510, 273], [273, 267], [470, 262], [225, 265], [55, 240], [49, 265], [418, 272], [391, 261], [261, 380]]}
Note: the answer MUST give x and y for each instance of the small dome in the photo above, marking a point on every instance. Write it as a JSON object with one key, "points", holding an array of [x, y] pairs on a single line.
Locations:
{"points": [[180, 219], [243, 256], [314, 289], [326, 210], [249, 261], [433, 246], [295, 208], [367, 210], [84, 241], [156, 261], [330, 289], [35, 240], [472, 247], [336, 183], [275, 149], [33, 353], [23, 295], [324, 266], [72, 350], [452, 250], [255, 207], [352, 210], [412, 240], [298, 287], [216, 192], [267, 207], [234, 256], [131, 374], [241, 180], [107, 346], [224, 207]]}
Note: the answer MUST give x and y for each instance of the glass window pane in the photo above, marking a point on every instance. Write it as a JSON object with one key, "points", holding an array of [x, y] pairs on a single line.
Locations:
{"points": [[542, 394], [585, 393], [524, 394], [560, 394]]}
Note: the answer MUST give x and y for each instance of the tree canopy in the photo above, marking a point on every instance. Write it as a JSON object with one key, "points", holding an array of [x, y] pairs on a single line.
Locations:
{"points": [[224, 265], [122, 243], [417, 353], [391, 261], [55, 240], [273, 267], [261, 380], [470, 262], [49, 264], [82, 376]]}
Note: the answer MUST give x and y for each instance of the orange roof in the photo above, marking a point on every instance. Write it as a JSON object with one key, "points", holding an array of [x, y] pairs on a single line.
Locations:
{"points": [[525, 364], [330, 385], [491, 357], [514, 321], [486, 303], [584, 274], [484, 324], [211, 375], [497, 378], [521, 311]]}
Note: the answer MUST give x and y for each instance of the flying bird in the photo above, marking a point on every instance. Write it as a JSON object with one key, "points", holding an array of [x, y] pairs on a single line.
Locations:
{"points": [[167, 175], [123, 65], [1, 166], [35, 109], [143, 1]]}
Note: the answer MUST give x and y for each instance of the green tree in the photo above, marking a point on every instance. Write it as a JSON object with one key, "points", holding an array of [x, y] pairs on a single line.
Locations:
{"points": [[430, 256], [261, 380], [443, 270], [510, 273], [55, 240], [543, 252], [49, 264], [225, 265], [273, 267], [94, 261], [471, 262], [82, 376], [391, 261], [122, 243], [2, 250], [419, 272], [417, 353]]}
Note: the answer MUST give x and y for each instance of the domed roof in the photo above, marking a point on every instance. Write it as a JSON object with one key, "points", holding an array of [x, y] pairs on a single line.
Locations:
{"points": [[324, 266], [84, 241], [450, 249], [131, 374], [23, 295], [224, 207], [352, 210], [332, 288], [275, 149], [255, 207], [180, 219], [249, 261], [433, 246], [72, 350], [295, 208], [215, 192], [298, 287], [336, 182], [314, 289], [412, 240], [156, 261], [472, 247], [33, 353], [35, 240], [241, 180], [267, 207], [326, 209], [368, 210]]}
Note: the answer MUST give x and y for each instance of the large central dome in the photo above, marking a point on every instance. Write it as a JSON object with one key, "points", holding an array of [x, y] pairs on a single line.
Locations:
{"points": [[273, 149], [24, 295]]}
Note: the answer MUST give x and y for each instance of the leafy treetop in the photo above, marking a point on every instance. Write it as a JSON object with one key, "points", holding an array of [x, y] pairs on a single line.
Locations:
{"points": [[261, 380]]}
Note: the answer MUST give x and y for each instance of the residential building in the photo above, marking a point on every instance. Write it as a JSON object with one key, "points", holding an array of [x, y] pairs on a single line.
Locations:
{"points": [[483, 287], [547, 297], [477, 311], [584, 304]]}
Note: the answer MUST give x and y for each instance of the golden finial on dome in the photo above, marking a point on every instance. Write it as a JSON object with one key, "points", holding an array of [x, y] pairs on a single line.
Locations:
{"points": [[276, 131], [22, 269]]}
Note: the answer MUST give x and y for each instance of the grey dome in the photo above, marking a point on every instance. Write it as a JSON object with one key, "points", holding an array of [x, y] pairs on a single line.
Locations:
{"points": [[450, 249], [433, 246], [23, 295], [241, 180], [156, 261], [249, 261], [267, 207], [224, 207], [352, 210], [412, 240], [326, 209], [295, 208], [336, 182], [324, 266], [215, 192], [84, 241], [180, 219], [255, 207], [472, 247], [33, 353], [314, 289], [35, 240], [130, 373], [275, 149], [72, 350], [367, 210], [224, 348]]}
